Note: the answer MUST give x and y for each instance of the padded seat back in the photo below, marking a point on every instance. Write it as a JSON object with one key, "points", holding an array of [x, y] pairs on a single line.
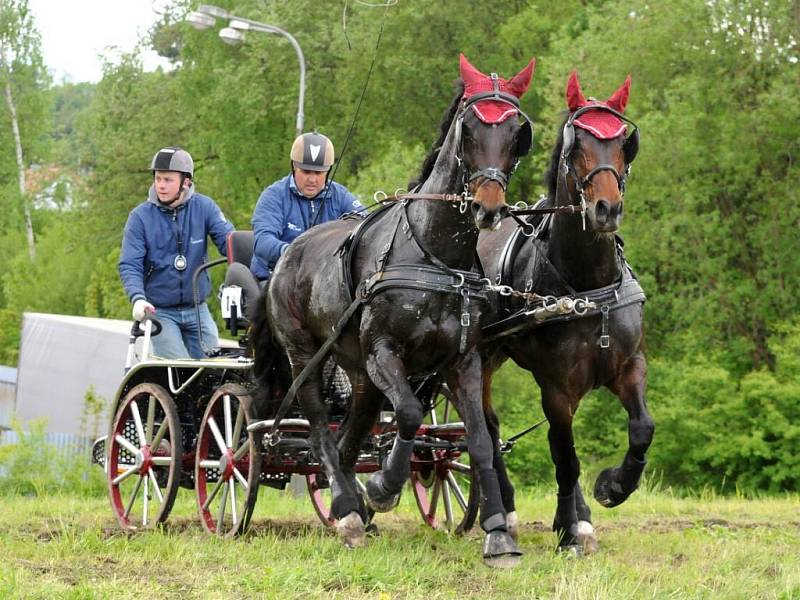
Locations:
{"points": [[240, 247]]}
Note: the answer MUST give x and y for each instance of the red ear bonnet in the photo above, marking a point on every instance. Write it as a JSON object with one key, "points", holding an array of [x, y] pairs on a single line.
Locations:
{"points": [[475, 82], [601, 124], [575, 99]]}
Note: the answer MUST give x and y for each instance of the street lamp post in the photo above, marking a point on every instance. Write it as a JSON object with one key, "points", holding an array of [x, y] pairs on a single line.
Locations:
{"points": [[206, 16]]}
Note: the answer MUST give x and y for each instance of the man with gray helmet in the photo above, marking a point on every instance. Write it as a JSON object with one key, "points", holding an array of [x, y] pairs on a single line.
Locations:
{"points": [[295, 203], [165, 241]]}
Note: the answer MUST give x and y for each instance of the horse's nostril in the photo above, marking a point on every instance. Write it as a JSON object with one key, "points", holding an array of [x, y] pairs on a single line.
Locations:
{"points": [[504, 211], [601, 209], [475, 207]]}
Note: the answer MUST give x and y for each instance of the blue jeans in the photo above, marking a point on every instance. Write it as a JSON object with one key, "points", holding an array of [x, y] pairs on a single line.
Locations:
{"points": [[179, 337]]}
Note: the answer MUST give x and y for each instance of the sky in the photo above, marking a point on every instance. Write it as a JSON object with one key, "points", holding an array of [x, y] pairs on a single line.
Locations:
{"points": [[75, 32]]}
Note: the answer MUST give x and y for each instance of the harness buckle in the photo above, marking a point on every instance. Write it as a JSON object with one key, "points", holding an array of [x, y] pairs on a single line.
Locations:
{"points": [[605, 341], [465, 319], [274, 438]]}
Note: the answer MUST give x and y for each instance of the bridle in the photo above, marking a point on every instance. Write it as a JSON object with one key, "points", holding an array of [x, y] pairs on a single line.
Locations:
{"points": [[630, 147], [524, 137]]}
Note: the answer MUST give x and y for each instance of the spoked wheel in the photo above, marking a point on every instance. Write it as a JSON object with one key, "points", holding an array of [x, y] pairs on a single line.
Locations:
{"points": [[144, 457], [320, 494], [446, 496], [228, 463]]}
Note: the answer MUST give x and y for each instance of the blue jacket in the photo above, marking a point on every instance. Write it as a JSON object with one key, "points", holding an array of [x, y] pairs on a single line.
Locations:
{"points": [[282, 213], [151, 243]]}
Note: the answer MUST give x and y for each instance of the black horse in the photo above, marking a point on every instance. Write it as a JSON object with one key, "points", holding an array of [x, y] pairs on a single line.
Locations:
{"points": [[399, 296], [569, 353]]}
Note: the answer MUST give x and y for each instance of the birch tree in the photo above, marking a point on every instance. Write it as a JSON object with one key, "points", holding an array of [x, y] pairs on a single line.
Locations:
{"points": [[23, 78]]}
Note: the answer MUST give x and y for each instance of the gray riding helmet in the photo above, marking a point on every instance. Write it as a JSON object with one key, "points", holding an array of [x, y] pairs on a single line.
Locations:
{"points": [[312, 152], [173, 159]]}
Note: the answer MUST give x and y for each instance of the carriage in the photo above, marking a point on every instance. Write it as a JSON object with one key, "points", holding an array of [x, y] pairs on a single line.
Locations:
{"points": [[194, 424], [411, 271]]}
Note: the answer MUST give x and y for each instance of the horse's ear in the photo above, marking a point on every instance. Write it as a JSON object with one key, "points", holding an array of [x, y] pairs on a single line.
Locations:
{"points": [[469, 73], [575, 98], [619, 99], [518, 84]]}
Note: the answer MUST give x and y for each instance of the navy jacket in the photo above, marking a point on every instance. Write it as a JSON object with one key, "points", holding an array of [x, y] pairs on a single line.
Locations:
{"points": [[282, 213], [151, 243]]}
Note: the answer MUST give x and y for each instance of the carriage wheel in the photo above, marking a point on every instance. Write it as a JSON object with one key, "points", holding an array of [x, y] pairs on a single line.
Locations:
{"points": [[144, 457], [320, 494], [445, 494], [228, 463]]}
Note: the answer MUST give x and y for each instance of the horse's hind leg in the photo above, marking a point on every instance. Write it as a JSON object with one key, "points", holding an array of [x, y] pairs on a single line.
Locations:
{"points": [[464, 379], [614, 485], [388, 373], [363, 412], [345, 502]]}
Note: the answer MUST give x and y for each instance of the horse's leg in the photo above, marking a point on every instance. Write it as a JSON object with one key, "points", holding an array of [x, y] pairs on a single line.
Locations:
{"points": [[559, 409], [586, 535], [493, 425], [464, 379], [363, 412], [614, 485], [344, 499], [388, 373]]}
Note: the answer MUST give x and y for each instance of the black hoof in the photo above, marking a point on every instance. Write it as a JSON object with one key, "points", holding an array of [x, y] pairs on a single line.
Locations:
{"points": [[607, 489], [378, 498], [500, 550]]}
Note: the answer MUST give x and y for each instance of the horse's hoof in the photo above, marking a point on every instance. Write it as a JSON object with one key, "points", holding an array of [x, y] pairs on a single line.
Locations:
{"points": [[372, 530], [500, 551], [607, 490], [378, 498], [508, 561], [351, 530], [512, 524], [586, 537]]}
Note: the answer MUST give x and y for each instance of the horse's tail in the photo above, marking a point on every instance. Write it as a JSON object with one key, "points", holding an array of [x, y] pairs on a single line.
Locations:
{"points": [[270, 363]]}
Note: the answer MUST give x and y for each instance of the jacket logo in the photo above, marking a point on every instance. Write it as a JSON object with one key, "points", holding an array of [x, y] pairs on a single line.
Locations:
{"points": [[293, 227], [314, 151]]}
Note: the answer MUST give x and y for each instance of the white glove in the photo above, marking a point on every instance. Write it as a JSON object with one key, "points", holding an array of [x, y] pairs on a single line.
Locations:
{"points": [[140, 308]]}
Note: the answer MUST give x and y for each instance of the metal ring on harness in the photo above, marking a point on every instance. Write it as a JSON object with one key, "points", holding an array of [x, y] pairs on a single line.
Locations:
{"points": [[550, 303], [460, 284], [581, 306], [376, 197]]}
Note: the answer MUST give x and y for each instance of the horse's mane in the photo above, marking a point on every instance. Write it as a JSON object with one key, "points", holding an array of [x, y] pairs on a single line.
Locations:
{"points": [[551, 174], [444, 127]]}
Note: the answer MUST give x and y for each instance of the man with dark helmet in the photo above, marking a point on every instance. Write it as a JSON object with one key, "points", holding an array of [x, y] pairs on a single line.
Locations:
{"points": [[298, 201], [165, 240]]}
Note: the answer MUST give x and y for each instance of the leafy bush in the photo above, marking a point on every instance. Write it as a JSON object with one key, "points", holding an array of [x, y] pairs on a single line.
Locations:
{"points": [[33, 466]]}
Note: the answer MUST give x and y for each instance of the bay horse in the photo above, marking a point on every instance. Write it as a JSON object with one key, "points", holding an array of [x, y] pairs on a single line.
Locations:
{"points": [[399, 293], [570, 354]]}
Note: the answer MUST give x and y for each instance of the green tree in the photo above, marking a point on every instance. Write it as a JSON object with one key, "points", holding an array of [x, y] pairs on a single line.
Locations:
{"points": [[24, 80]]}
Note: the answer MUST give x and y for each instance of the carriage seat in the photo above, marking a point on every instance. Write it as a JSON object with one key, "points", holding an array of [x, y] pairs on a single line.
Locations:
{"points": [[240, 291]]}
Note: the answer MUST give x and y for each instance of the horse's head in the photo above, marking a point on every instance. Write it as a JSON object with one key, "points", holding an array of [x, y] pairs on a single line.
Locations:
{"points": [[597, 151], [490, 138]]}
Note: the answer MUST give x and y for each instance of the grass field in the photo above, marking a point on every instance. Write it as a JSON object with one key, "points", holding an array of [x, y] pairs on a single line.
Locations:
{"points": [[654, 546]]}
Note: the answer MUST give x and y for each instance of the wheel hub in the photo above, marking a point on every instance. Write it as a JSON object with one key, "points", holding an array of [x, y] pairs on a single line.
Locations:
{"points": [[144, 461], [226, 465]]}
